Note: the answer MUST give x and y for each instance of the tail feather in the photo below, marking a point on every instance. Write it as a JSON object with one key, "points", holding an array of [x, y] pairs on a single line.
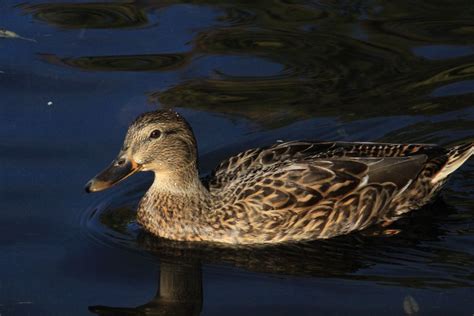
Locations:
{"points": [[457, 155]]}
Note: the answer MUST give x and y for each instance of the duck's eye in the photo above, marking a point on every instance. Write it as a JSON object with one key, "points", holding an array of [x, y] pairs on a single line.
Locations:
{"points": [[155, 134]]}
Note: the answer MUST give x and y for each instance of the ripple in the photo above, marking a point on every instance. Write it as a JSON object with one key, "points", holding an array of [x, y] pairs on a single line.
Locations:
{"points": [[88, 15], [246, 97], [237, 16], [323, 73], [111, 219], [315, 55], [291, 15], [458, 71], [261, 42], [442, 30], [275, 102], [316, 79], [388, 260], [151, 62]]}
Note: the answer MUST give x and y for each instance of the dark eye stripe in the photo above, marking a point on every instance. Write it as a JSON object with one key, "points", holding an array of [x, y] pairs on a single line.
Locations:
{"points": [[171, 132]]}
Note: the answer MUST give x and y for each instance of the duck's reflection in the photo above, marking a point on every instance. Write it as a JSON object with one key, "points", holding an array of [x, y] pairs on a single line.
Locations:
{"points": [[179, 293]]}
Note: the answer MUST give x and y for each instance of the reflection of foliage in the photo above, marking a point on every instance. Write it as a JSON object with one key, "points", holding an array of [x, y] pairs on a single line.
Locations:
{"points": [[271, 14], [444, 30], [242, 97], [427, 131], [162, 62], [348, 59], [88, 15], [457, 72], [425, 22], [312, 55], [328, 69], [286, 99]]}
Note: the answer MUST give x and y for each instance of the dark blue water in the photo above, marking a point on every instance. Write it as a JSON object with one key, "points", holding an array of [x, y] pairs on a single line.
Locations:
{"points": [[244, 74]]}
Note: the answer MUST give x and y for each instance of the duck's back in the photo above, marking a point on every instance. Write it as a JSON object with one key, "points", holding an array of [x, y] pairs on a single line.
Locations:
{"points": [[305, 190]]}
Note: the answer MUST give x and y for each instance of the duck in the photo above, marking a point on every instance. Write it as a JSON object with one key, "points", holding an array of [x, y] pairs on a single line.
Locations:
{"points": [[287, 192]]}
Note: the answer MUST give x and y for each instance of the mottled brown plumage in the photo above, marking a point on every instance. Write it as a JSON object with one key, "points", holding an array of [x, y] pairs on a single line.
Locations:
{"points": [[290, 191]]}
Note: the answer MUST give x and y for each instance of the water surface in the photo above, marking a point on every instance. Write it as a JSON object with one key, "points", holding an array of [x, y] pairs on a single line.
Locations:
{"points": [[244, 74]]}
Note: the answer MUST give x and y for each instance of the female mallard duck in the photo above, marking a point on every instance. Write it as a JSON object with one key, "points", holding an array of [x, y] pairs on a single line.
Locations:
{"points": [[290, 191]]}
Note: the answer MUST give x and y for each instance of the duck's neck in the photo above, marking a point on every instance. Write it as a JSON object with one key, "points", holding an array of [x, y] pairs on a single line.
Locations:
{"points": [[175, 205], [181, 180]]}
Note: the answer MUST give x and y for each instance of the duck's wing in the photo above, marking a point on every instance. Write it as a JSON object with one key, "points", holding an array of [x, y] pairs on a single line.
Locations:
{"points": [[322, 198], [253, 160], [367, 149]]}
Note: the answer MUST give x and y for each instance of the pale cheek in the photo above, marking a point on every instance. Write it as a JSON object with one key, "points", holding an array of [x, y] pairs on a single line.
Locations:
{"points": [[155, 166]]}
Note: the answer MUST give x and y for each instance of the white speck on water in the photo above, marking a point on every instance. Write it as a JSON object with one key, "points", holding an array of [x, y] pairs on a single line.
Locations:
{"points": [[342, 132], [10, 34], [410, 305], [50, 103]]}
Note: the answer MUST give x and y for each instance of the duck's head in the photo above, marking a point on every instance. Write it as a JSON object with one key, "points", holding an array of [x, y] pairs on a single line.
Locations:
{"points": [[159, 141]]}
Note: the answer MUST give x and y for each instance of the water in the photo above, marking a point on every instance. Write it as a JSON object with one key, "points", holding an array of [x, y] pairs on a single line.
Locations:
{"points": [[244, 75]]}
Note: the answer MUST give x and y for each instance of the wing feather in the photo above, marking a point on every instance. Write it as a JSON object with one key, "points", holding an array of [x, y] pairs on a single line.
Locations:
{"points": [[320, 189]]}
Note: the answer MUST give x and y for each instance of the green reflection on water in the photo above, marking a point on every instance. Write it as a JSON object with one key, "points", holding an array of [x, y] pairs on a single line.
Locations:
{"points": [[353, 60]]}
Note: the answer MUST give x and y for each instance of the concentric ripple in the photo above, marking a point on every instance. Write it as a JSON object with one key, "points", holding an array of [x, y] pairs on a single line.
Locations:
{"points": [[432, 31], [369, 256], [292, 15], [111, 220], [88, 15], [152, 62], [236, 16]]}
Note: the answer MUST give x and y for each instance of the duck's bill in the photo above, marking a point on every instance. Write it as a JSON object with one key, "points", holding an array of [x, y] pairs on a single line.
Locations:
{"points": [[118, 170]]}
